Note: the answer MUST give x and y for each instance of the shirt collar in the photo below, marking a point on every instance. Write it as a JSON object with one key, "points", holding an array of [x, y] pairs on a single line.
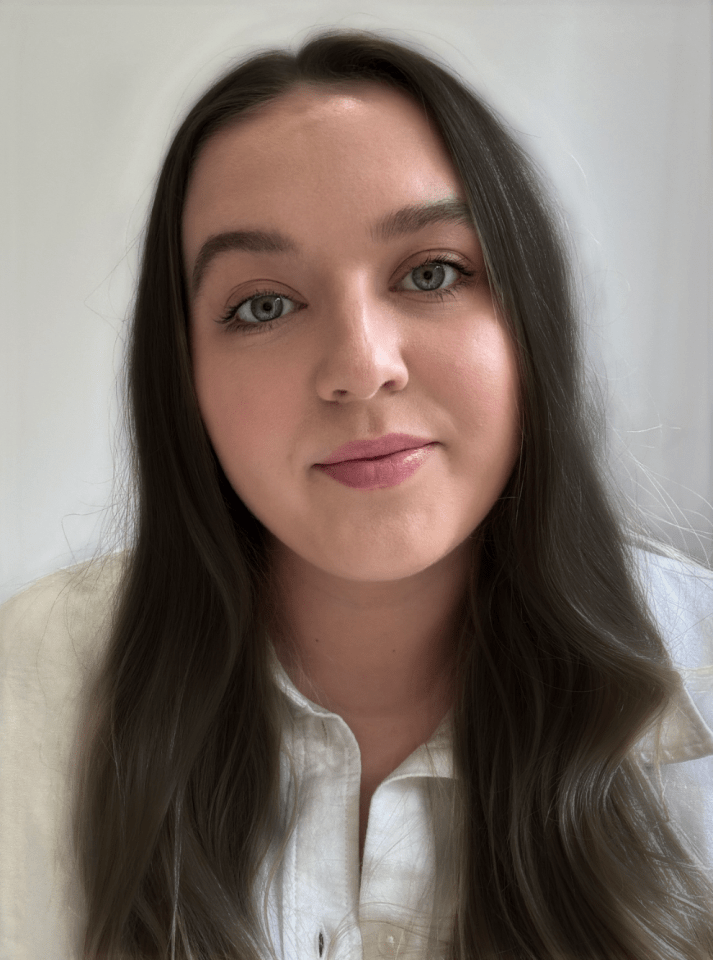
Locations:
{"points": [[684, 733]]}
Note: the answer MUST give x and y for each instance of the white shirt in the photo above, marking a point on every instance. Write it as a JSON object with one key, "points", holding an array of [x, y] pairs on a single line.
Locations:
{"points": [[51, 638]]}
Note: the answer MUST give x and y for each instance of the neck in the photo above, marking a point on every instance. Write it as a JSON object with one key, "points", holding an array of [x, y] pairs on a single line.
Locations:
{"points": [[373, 653]]}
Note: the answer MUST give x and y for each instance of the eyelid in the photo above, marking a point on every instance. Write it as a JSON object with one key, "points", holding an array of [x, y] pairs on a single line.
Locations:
{"points": [[432, 256]]}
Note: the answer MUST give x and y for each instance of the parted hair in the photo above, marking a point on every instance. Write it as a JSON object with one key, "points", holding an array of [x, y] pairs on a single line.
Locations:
{"points": [[564, 847]]}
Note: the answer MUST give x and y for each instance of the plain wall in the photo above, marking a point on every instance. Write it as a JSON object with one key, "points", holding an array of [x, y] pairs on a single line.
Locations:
{"points": [[612, 99]]}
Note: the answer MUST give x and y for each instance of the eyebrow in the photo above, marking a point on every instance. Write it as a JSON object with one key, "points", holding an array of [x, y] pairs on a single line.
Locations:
{"points": [[398, 223]]}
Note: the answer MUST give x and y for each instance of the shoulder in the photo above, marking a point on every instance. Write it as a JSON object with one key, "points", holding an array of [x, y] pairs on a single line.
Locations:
{"points": [[679, 593], [60, 621], [52, 636]]}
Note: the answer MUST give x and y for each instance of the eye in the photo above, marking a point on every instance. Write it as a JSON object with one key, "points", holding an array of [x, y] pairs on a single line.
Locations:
{"points": [[438, 277], [263, 308]]}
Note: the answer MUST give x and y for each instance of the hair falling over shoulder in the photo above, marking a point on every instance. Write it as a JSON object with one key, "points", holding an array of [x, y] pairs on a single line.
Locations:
{"points": [[565, 847]]}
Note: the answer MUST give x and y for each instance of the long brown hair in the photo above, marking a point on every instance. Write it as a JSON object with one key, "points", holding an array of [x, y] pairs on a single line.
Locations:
{"points": [[564, 848]]}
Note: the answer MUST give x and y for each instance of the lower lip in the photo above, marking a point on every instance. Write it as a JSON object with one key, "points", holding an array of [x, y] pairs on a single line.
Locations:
{"points": [[382, 472]]}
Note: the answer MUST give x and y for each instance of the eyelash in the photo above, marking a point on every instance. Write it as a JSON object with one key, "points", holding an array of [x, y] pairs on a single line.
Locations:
{"points": [[231, 323]]}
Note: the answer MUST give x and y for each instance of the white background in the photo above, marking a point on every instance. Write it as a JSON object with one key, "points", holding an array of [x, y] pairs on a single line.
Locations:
{"points": [[612, 99]]}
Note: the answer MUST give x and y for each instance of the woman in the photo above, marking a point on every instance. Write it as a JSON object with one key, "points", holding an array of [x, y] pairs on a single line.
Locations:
{"points": [[382, 672]]}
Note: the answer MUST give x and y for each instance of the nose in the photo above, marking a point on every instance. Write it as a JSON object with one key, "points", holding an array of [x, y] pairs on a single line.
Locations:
{"points": [[360, 350]]}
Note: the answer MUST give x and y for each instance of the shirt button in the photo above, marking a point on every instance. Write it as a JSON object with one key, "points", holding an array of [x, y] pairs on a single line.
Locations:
{"points": [[389, 941]]}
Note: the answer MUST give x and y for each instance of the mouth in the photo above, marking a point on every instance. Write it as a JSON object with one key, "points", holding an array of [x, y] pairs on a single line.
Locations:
{"points": [[376, 473], [376, 449], [383, 456]]}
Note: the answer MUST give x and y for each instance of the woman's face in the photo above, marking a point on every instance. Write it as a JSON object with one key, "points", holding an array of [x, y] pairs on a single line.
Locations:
{"points": [[365, 340]]}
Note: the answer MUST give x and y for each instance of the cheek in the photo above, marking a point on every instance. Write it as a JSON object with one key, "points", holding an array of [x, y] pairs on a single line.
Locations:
{"points": [[245, 409], [483, 380], [222, 395]]}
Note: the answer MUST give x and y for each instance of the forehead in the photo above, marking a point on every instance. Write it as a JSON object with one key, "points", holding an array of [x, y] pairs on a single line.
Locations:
{"points": [[311, 122], [350, 149]]}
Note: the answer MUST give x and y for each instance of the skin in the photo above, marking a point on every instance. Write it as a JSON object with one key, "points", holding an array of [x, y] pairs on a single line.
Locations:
{"points": [[370, 581]]}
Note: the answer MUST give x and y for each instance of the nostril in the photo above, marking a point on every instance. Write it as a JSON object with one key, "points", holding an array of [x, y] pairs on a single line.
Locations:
{"points": [[320, 942]]}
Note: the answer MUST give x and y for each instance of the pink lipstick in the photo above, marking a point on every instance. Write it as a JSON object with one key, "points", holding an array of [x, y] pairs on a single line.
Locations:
{"points": [[374, 464]]}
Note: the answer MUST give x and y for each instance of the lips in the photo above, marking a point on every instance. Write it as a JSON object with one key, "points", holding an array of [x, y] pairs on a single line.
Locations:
{"points": [[369, 449], [376, 473]]}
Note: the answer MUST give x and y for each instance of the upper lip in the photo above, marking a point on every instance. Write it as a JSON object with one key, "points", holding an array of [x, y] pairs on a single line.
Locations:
{"points": [[363, 449]]}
